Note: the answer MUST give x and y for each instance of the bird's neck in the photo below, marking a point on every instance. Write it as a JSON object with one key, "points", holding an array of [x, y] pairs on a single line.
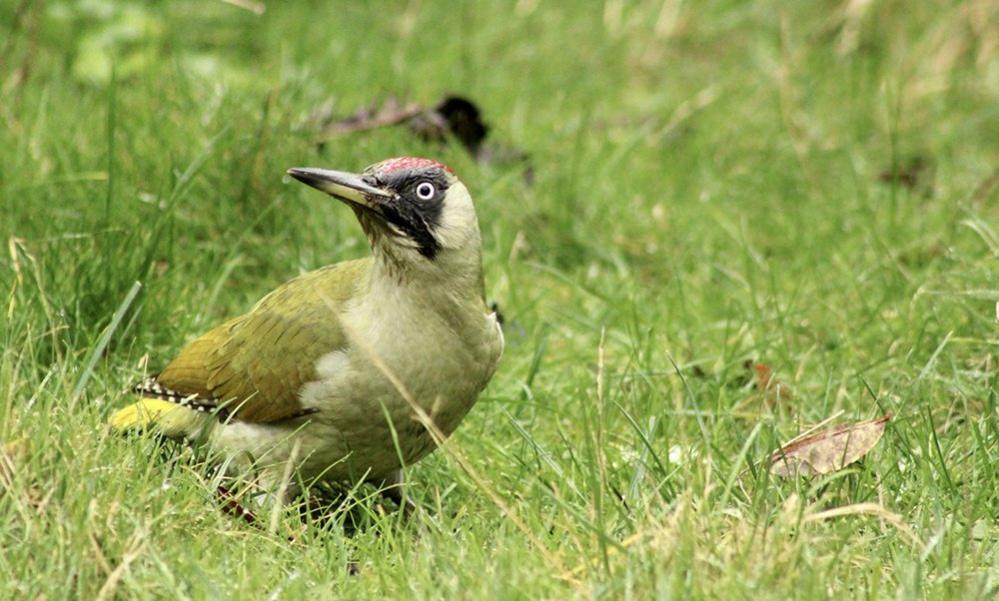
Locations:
{"points": [[452, 282]]}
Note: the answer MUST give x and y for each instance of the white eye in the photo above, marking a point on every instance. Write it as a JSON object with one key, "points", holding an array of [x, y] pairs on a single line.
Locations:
{"points": [[425, 191]]}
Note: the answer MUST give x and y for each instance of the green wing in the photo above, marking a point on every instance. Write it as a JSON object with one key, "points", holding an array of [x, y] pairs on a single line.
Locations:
{"points": [[257, 363]]}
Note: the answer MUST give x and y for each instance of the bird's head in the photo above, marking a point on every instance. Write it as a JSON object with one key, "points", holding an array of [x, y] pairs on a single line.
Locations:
{"points": [[415, 211]]}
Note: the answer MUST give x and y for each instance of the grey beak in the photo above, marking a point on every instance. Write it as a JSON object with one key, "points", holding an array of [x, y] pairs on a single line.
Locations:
{"points": [[345, 186]]}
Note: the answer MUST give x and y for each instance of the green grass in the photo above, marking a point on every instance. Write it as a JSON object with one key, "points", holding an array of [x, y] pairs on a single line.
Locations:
{"points": [[707, 191]]}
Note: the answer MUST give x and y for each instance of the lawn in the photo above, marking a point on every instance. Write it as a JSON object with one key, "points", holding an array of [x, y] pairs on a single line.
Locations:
{"points": [[810, 186]]}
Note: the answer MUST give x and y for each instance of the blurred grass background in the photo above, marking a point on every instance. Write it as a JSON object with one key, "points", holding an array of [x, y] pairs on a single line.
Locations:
{"points": [[807, 185]]}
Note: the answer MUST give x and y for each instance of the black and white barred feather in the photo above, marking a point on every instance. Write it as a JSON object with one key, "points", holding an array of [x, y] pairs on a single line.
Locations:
{"points": [[151, 388]]}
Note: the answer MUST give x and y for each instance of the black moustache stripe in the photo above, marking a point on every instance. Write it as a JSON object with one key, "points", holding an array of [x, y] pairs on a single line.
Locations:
{"points": [[404, 217]]}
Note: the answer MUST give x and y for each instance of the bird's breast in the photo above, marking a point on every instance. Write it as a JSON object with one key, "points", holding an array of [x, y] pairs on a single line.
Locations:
{"points": [[398, 357]]}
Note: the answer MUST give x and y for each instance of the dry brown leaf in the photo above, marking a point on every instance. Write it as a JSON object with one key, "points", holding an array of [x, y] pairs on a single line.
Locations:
{"points": [[776, 393], [871, 509], [911, 174], [454, 117], [829, 450], [391, 112]]}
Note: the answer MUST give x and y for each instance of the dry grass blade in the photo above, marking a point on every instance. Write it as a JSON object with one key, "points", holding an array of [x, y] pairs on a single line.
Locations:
{"points": [[135, 546], [872, 509], [10, 452], [257, 8], [828, 451]]}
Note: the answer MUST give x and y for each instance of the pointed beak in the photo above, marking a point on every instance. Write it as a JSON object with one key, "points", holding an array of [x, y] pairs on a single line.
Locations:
{"points": [[345, 186]]}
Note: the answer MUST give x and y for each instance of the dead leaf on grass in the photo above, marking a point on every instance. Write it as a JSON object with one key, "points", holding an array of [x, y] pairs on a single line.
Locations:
{"points": [[391, 111], [915, 172], [776, 393], [453, 118], [828, 451]]}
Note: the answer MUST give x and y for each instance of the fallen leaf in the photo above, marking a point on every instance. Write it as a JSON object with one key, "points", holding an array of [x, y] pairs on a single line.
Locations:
{"points": [[454, 117], [391, 112], [829, 450], [231, 506], [910, 174], [776, 393]]}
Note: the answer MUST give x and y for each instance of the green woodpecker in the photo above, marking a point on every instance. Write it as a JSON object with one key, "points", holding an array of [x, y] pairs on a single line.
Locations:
{"points": [[340, 371]]}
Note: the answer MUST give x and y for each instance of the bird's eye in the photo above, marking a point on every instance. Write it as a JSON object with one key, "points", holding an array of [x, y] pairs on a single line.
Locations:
{"points": [[425, 191]]}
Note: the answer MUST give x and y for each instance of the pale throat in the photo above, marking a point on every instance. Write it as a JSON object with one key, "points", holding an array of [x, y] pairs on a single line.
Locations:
{"points": [[428, 282]]}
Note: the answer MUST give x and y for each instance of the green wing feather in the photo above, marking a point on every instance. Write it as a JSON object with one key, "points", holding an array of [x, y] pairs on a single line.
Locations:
{"points": [[257, 363]]}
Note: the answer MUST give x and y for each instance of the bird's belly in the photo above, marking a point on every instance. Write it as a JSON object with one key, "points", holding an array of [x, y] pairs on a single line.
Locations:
{"points": [[378, 417], [335, 448], [367, 422]]}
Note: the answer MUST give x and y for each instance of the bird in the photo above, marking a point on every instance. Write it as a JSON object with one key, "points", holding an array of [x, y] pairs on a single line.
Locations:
{"points": [[353, 371]]}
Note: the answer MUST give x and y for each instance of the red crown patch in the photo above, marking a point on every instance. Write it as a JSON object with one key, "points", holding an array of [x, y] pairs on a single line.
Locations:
{"points": [[403, 163]]}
